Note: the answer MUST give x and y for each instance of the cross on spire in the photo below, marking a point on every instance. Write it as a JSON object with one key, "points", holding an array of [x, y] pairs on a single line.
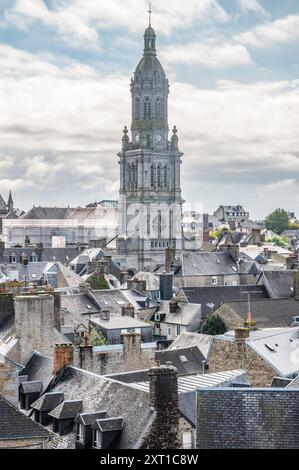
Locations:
{"points": [[150, 11]]}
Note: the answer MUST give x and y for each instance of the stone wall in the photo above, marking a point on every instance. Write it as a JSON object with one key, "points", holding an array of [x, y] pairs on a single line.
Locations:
{"points": [[112, 362], [247, 418], [24, 444], [6, 306], [35, 318], [9, 381], [229, 355]]}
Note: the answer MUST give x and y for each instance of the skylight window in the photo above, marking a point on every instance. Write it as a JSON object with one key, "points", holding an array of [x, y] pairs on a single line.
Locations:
{"points": [[183, 359], [270, 348]]}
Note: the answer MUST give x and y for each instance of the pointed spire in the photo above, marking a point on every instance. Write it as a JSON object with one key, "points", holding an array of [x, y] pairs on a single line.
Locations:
{"points": [[10, 202], [150, 11]]}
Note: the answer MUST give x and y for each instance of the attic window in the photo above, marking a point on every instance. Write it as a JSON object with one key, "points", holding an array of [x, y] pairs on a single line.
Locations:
{"points": [[183, 359], [210, 305]]}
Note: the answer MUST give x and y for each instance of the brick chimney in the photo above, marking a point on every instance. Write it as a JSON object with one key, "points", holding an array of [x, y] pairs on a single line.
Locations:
{"points": [[164, 400], [63, 355]]}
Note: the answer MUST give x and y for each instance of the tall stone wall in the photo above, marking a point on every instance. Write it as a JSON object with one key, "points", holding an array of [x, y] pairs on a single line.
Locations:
{"points": [[229, 355], [247, 418], [112, 362], [9, 381], [35, 318], [6, 306]]}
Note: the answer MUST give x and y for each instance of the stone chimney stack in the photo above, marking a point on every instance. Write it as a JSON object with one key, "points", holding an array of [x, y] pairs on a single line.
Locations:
{"points": [[2, 248], [128, 311], [166, 286], [84, 288], [137, 284], [164, 400], [63, 356], [169, 259], [124, 276], [35, 320], [296, 285], [40, 249], [241, 335], [234, 252], [132, 344]]}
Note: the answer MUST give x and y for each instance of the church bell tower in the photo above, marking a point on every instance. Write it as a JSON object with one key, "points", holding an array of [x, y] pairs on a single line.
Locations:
{"points": [[150, 200]]}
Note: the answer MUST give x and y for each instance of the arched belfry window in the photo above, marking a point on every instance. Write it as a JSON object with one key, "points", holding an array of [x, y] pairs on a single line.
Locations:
{"points": [[165, 176], [158, 108], [159, 182], [152, 176], [147, 108], [137, 108]]}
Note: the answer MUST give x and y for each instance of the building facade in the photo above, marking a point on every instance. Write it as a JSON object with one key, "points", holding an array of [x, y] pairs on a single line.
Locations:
{"points": [[150, 200]]}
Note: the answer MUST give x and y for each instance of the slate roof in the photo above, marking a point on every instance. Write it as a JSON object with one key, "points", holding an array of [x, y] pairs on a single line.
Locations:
{"points": [[16, 425], [31, 387], [100, 393], [188, 406], [279, 284], [69, 409], [54, 213], [294, 383], [118, 322], [214, 263], [64, 255], [109, 424], [280, 382], [39, 368], [186, 360], [185, 314], [268, 313], [210, 298], [48, 401], [188, 340], [87, 419]]}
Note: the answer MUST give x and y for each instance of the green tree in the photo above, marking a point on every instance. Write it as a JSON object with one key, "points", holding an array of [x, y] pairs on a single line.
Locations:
{"points": [[213, 325], [97, 282], [277, 221], [96, 338]]}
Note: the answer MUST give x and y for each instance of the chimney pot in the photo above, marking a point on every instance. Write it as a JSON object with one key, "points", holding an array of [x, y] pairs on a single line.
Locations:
{"points": [[63, 355]]}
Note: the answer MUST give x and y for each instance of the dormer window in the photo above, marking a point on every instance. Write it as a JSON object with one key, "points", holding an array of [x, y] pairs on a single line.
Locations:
{"points": [[13, 259]]}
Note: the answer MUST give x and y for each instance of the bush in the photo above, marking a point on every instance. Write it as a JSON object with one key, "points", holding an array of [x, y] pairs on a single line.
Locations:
{"points": [[96, 338], [213, 325], [98, 283]]}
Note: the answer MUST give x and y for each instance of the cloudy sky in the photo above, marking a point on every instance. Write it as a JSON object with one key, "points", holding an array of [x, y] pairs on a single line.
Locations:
{"points": [[233, 65]]}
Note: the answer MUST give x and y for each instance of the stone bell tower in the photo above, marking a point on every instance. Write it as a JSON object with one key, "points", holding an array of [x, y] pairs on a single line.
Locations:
{"points": [[150, 200]]}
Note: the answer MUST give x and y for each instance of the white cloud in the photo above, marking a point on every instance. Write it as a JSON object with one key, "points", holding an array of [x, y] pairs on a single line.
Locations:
{"points": [[62, 122], [252, 6], [210, 55], [284, 30], [78, 22], [282, 185]]}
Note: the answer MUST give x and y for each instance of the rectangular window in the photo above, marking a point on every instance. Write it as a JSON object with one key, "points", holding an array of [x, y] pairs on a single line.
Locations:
{"points": [[97, 442], [187, 440], [178, 330], [214, 281], [80, 433]]}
